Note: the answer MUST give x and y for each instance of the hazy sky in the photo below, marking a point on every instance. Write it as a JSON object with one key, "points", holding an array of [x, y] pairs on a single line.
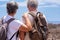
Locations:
{"points": [[50, 8]]}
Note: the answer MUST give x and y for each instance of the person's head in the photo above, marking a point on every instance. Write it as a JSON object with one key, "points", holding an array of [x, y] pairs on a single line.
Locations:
{"points": [[12, 8], [32, 5]]}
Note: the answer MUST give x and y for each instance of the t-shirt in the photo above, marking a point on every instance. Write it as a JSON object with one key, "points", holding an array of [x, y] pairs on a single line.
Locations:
{"points": [[13, 26]]}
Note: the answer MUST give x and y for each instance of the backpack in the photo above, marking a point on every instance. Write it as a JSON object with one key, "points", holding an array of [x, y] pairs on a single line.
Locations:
{"points": [[39, 30], [4, 28]]}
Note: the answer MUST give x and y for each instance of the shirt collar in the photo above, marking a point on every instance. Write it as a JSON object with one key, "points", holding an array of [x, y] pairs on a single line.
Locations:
{"points": [[10, 16]]}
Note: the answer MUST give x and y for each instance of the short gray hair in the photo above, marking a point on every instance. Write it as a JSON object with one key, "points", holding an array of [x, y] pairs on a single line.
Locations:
{"points": [[32, 3]]}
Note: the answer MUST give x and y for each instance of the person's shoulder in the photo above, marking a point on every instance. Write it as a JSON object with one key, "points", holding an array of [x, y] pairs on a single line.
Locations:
{"points": [[4, 17], [26, 13], [16, 21]]}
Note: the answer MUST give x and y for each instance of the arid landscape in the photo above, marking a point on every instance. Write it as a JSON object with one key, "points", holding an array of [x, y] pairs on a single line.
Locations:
{"points": [[54, 30]]}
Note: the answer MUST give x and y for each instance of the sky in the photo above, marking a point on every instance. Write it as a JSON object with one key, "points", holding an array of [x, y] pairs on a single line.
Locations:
{"points": [[50, 8]]}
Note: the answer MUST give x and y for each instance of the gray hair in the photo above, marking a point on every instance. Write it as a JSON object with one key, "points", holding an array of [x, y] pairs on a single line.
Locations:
{"points": [[32, 3]]}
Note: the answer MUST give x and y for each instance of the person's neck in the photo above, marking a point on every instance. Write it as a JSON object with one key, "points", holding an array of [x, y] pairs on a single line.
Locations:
{"points": [[32, 10], [11, 15]]}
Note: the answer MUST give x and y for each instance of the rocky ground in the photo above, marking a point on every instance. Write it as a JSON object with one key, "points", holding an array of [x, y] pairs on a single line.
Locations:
{"points": [[54, 34]]}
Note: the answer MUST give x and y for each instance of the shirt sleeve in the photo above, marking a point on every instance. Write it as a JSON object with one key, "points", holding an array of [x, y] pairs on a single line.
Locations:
{"points": [[16, 24]]}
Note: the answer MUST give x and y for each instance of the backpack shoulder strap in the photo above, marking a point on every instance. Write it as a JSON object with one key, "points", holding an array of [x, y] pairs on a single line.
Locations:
{"points": [[42, 18], [35, 22], [32, 15], [10, 20], [14, 35]]}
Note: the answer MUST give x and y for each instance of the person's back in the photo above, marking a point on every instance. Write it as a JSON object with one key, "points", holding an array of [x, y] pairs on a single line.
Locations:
{"points": [[32, 9], [15, 25], [32, 23]]}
